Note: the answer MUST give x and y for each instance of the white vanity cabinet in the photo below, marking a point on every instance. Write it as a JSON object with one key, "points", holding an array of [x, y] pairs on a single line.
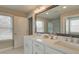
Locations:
{"points": [[34, 47], [28, 46]]}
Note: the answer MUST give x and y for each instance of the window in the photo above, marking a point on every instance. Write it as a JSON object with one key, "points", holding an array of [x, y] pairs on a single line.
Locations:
{"points": [[5, 27], [72, 25], [40, 26]]}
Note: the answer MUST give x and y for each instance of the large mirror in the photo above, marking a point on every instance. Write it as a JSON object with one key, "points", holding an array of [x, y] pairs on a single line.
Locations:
{"points": [[60, 19]]}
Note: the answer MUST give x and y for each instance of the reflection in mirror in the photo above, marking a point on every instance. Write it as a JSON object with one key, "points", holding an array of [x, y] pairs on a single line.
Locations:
{"points": [[40, 26], [72, 25], [60, 19]]}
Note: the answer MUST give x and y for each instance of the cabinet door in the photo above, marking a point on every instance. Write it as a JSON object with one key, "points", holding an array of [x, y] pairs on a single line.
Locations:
{"points": [[51, 51], [38, 48], [28, 46]]}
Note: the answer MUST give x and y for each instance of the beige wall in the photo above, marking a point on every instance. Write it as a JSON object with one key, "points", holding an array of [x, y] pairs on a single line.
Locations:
{"points": [[65, 15]]}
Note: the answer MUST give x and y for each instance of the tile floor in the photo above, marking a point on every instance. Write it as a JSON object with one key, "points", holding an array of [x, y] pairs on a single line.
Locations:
{"points": [[14, 51]]}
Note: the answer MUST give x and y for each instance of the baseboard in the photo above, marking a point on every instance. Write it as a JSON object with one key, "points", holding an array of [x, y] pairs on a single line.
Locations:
{"points": [[2, 50]]}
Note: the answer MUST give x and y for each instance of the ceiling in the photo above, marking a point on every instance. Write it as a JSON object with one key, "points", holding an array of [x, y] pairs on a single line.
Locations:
{"points": [[21, 8], [57, 11]]}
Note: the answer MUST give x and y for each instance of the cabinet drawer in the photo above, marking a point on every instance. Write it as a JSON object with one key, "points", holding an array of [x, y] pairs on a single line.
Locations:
{"points": [[51, 51]]}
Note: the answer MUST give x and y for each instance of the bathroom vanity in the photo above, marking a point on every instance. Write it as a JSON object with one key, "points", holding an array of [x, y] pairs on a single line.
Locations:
{"points": [[36, 44]]}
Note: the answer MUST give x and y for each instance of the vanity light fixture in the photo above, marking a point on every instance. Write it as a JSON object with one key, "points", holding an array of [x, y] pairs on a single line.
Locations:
{"points": [[64, 7]]}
